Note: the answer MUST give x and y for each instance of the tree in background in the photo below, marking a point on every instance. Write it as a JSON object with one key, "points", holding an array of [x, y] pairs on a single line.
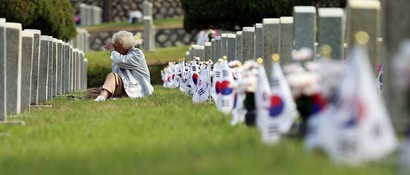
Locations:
{"points": [[231, 14], [52, 17]]}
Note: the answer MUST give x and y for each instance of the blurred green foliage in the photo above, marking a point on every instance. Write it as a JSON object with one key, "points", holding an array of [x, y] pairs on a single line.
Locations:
{"points": [[229, 15], [52, 17]]}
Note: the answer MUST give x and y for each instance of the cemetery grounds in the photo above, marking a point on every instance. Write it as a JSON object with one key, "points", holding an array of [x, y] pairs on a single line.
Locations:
{"points": [[161, 134]]}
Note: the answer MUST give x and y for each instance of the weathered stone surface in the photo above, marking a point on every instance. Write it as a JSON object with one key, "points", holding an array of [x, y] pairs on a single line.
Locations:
{"points": [[73, 70], [80, 70], [147, 8], [239, 46], [66, 67], [201, 52], [208, 49], [331, 30], [304, 34], [59, 68], [286, 40], [35, 65], [83, 15], [53, 76], [26, 64], [357, 13], [218, 53], [3, 99], [258, 41], [97, 15], [50, 71], [224, 44], [149, 34], [45, 46], [231, 43], [13, 67], [271, 34], [248, 34], [193, 52], [89, 16], [84, 78], [213, 49]]}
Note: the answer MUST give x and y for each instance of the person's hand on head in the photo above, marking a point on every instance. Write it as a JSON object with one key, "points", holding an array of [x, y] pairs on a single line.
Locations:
{"points": [[110, 46]]}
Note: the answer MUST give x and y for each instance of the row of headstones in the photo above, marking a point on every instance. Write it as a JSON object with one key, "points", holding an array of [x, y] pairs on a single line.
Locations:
{"points": [[285, 34], [90, 14], [82, 40], [36, 68]]}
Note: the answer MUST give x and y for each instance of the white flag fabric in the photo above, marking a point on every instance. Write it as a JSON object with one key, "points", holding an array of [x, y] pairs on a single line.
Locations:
{"points": [[281, 90], [360, 129], [224, 89], [217, 75], [168, 74], [184, 77], [269, 130], [201, 92], [276, 109], [163, 77], [238, 111], [177, 77], [330, 74], [171, 69], [316, 125], [193, 75]]}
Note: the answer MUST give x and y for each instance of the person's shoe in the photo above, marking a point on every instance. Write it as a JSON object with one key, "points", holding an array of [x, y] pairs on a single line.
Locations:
{"points": [[99, 98]]}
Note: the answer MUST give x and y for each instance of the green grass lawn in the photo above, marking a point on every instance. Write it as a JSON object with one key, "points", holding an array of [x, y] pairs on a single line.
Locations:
{"points": [[160, 56], [124, 25], [161, 134]]}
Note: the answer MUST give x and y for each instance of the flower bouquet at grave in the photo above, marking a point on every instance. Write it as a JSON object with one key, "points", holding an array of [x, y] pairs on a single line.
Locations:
{"points": [[303, 80], [246, 87], [238, 111]]}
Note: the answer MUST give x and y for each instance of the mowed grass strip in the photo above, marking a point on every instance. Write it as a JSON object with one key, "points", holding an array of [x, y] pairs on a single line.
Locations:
{"points": [[124, 25], [160, 56], [161, 134]]}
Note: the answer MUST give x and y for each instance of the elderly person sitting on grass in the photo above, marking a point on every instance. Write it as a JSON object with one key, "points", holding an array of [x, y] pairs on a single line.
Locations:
{"points": [[130, 76]]}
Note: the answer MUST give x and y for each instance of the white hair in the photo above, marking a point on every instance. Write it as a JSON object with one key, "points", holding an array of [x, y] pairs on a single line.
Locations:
{"points": [[126, 39]]}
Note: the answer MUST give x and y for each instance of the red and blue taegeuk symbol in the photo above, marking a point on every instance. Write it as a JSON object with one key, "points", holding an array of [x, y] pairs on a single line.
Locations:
{"points": [[357, 114], [195, 78], [223, 88], [276, 106], [318, 103]]}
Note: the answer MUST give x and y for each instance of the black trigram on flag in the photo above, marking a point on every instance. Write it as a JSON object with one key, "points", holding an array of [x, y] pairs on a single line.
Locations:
{"points": [[347, 146], [225, 73], [201, 91], [275, 82], [217, 74], [273, 129], [193, 68], [225, 103], [265, 96]]}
